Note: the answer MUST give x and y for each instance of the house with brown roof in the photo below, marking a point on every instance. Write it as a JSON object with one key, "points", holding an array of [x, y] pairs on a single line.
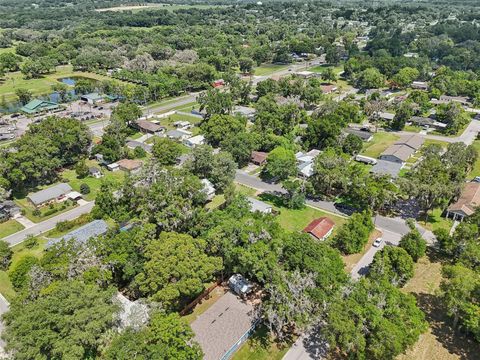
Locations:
{"points": [[467, 202], [401, 150], [320, 228], [149, 127], [129, 165], [258, 157]]}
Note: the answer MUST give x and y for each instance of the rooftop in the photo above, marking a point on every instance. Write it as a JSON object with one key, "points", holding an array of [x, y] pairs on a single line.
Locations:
{"points": [[50, 193], [257, 205], [320, 227], [383, 167], [469, 199], [83, 233], [414, 141], [149, 126], [130, 164]]}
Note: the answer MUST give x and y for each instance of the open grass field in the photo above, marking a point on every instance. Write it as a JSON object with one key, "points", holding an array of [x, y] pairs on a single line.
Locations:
{"points": [[43, 85], [322, 68], [70, 176], [440, 342], [9, 227], [380, 141], [267, 69], [260, 347]]}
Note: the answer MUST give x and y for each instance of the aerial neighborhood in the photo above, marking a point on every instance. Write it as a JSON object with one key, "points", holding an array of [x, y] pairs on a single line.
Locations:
{"points": [[250, 180]]}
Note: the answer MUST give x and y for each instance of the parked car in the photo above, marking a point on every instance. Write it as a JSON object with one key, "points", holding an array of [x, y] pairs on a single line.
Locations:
{"points": [[378, 241]]}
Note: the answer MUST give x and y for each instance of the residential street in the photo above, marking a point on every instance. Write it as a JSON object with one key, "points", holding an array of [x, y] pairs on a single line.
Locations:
{"points": [[49, 224]]}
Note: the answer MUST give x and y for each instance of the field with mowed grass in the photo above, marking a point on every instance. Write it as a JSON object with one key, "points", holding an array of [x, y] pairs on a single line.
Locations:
{"points": [[42, 85], [380, 142], [267, 69], [9, 227]]}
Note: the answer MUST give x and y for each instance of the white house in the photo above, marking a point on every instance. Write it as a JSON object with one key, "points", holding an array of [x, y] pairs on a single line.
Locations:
{"points": [[194, 141]]}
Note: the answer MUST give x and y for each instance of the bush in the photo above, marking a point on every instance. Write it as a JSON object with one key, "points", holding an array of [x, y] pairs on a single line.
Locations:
{"points": [[36, 212], [84, 189], [50, 212], [19, 274], [31, 242], [5, 255]]}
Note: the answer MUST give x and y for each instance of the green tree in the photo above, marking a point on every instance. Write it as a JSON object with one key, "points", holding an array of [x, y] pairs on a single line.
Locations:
{"points": [[392, 263], [62, 90], [223, 172], [405, 77], [281, 164], [219, 127], [329, 74], [167, 336], [19, 273], [373, 320], [67, 321], [5, 255], [245, 64], [354, 234], [352, 144], [370, 78], [295, 196], [81, 169], [403, 114], [127, 113], [414, 244], [166, 151], [23, 95], [215, 102], [176, 269]]}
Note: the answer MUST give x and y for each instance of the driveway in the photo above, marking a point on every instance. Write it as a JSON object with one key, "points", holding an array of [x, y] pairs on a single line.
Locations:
{"points": [[49, 224]]}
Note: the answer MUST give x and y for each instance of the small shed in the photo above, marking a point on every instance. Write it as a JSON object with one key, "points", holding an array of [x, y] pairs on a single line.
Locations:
{"points": [[320, 228], [258, 157], [260, 206], [239, 285]]}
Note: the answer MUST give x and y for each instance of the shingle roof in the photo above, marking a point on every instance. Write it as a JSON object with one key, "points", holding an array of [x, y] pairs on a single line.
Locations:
{"points": [[364, 135], [383, 167], [50, 193], [320, 227], [83, 233], [413, 141], [402, 152], [129, 164], [258, 157], [257, 205], [178, 133], [149, 126], [469, 199]]}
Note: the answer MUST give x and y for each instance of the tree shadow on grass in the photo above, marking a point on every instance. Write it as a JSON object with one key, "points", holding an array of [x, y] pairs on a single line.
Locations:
{"points": [[455, 342], [276, 199]]}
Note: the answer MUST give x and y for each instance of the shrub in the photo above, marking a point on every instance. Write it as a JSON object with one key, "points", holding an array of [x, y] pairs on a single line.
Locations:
{"points": [[36, 212], [31, 242], [19, 274], [5, 255], [84, 189]]}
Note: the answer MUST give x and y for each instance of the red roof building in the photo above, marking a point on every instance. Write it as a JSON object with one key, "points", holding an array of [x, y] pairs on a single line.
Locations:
{"points": [[258, 157], [320, 228]]}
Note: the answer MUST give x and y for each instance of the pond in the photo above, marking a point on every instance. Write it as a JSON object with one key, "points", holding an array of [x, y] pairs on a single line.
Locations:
{"points": [[72, 80]]}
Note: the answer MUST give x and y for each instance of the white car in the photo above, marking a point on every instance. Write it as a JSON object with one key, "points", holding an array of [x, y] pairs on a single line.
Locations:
{"points": [[378, 241]]}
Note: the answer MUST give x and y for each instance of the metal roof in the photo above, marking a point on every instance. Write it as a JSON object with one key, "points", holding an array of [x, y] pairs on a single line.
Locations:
{"points": [[83, 233]]}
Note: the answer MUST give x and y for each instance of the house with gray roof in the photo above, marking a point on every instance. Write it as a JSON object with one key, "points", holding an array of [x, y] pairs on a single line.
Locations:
{"points": [[178, 134], [260, 206], [82, 234], [132, 144], [384, 167], [53, 193], [364, 135], [405, 147]]}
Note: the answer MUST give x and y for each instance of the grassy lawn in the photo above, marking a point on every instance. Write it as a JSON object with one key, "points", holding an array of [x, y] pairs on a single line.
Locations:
{"points": [[440, 341], [70, 176], [476, 168], [19, 252], [412, 128], [260, 347], [46, 212], [216, 202], [322, 68], [41, 85], [443, 144], [380, 141], [436, 221], [245, 190], [203, 306], [267, 69], [10, 227]]}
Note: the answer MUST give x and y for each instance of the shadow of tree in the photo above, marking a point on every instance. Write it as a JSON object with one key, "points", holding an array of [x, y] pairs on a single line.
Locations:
{"points": [[455, 342]]}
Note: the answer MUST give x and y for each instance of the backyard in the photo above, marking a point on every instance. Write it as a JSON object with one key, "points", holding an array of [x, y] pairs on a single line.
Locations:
{"points": [[380, 142]]}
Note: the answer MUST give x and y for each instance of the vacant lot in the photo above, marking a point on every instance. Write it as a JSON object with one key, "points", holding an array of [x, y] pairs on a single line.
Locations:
{"points": [[380, 141], [440, 342]]}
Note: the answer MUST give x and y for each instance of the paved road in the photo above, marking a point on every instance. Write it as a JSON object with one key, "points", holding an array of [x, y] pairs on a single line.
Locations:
{"points": [[182, 100], [4, 306], [49, 224]]}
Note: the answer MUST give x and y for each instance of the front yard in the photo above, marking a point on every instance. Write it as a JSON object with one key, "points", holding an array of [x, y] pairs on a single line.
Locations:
{"points": [[46, 212], [9, 227]]}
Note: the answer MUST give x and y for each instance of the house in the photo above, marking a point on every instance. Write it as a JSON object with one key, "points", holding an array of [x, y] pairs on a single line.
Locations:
{"points": [[467, 202], [427, 122], [182, 124], [54, 193], [132, 314], [404, 148], [245, 111], [92, 98], [113, 167], [208, 189], [328, 89], [260, 206], [149, 127], [194, 141], [364, 135], [320, 228], [239, 285], [258, 157], [386, 116], [384, 167], [38, 106], [306, 74], [305, 169], [445, 99], [420, 85], [8, 209], [84, 233], [132, 144], [130, 165], [95, 172], [307, 157], [178, 134]]}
